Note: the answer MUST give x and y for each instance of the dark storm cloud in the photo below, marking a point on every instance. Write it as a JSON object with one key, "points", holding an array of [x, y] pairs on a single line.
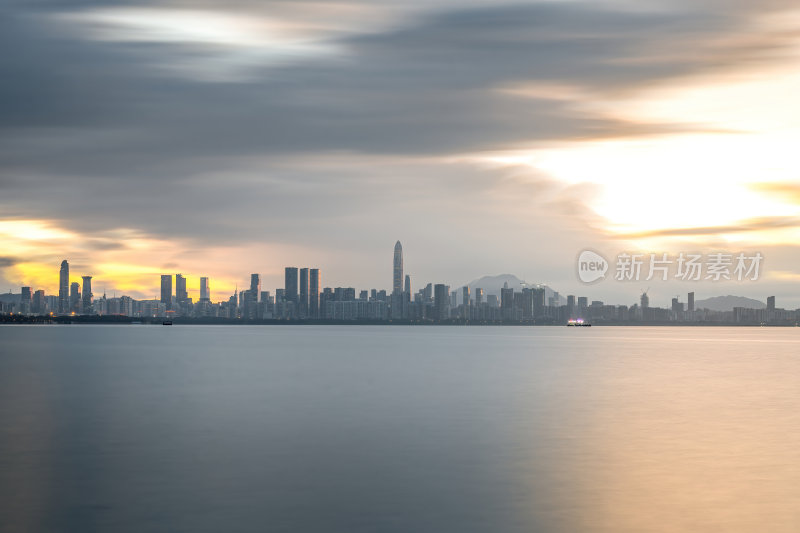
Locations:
{"points": [[122, 134]]}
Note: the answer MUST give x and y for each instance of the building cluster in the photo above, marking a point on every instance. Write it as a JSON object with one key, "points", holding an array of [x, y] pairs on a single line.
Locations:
{"points": [[302, 298], [72, 299]]}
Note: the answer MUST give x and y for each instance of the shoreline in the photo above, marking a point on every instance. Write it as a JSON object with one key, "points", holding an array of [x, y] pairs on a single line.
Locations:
{"points": [[214, 321]]}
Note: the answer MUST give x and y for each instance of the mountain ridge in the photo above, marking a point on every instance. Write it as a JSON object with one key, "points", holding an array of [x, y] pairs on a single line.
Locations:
{"points": [[493, 284], [728, 302]]}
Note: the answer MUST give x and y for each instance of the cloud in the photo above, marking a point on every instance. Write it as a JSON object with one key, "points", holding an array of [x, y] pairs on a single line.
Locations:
{"points": [[783, 191], [8, 261], [748, 225]]}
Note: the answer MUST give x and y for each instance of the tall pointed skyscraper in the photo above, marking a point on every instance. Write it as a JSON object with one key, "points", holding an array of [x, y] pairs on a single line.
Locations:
{"points": [[397, 279], [63, 288]]}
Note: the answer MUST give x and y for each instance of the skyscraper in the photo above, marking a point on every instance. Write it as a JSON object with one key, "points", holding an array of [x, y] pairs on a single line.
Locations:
{"points": [[255, 287], [205, 293], [397, 278], [290, 284], [507, 302], [313, 293], [166, 290], [441, 300], [181, 295], [26, 299], [303, 292], [248, 300], [63, 288], [39, 306], [770, 303], [75, 297], [690, 304], [87, 295]]}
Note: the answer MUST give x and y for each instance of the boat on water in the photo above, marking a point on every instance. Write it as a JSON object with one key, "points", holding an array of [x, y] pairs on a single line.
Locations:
{"points": [[166, 323], [578, 322]]}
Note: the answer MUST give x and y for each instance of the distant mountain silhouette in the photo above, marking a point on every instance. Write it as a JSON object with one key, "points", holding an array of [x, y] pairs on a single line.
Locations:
{"points": [[493, 284], [727, 303], [10, 298]]}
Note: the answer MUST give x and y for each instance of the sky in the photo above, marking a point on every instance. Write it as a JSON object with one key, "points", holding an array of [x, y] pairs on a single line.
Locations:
{"points": [[219, 139]]}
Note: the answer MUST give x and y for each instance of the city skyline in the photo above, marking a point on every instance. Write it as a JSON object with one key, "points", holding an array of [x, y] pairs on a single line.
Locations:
{"points": [[303, 298], [298, 282], [617, 292]]}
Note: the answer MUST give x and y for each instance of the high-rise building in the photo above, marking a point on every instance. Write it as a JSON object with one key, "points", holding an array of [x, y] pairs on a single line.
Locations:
{"points": [[255, 287], [571, 306], [478, 297], [538, 301], [465, 300], [325, 297], [441, 301], [303, 302], [313, 293], [87, 296], [26, 300], [75, 297], [63, 288], [290, 284], [166, 290], [397, 278], [181, 295], [507, 302], [645, 300], [233, 304], [205, 293], [526, 298], [690, 302], [39, 306], [407, 286], [427, 292], [770, 303]]}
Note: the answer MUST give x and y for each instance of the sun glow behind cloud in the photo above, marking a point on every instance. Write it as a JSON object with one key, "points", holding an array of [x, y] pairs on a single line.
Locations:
{"points": [[124, 261], [725, 173], [121, 261]]}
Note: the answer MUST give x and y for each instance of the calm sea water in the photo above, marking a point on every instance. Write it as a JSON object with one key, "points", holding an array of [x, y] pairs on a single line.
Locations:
{"points": [[399, 429]]}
